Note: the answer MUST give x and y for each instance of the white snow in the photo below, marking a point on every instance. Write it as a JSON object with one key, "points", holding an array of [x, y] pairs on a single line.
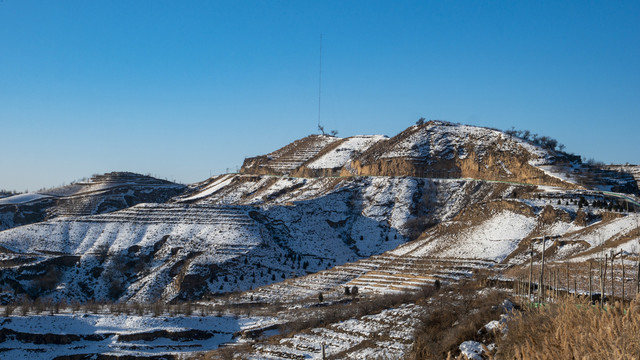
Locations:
{"points": [[212, 188], [339, 156], [22, 198], [113, 326], [443, 140], [492, 240], [599, 233], [472, 350]]}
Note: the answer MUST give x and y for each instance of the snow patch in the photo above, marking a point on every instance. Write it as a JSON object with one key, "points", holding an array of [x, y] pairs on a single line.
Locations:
{"points": [[22, 198]]}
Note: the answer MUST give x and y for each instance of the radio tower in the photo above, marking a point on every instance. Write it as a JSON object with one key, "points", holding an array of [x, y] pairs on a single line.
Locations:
{"points": [[320, 87]]}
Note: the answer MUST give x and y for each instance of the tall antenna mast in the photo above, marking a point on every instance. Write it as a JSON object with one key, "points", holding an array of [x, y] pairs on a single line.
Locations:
{"points": [[320, 82]]}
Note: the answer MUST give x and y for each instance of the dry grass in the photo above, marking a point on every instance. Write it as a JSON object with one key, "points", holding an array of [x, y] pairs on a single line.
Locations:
{"points": [[458, 314], [573, 330]]}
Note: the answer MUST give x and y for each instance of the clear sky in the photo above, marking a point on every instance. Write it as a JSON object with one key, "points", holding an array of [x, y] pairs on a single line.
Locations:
{"points": [[182, 89]]}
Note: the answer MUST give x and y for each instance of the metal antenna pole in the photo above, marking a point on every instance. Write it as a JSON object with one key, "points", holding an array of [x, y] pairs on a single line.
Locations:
{"points": [[320, 82]]}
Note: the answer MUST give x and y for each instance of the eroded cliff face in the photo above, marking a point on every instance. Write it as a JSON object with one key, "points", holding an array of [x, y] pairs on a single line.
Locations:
{"points": [[306, 172], [492, 166]]}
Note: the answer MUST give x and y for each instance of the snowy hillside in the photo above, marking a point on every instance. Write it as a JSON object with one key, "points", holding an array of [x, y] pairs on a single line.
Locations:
{"points": [[340, 155], [232, 238]]}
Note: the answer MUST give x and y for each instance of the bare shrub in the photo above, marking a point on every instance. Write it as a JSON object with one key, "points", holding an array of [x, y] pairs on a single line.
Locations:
{"points": [[25, 306], [457, 316], [39, 306], [157, 308], [8, 309], [75, 306]]}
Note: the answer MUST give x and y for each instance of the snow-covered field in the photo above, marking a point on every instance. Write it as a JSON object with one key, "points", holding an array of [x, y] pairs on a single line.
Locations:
{"points": [[26, 336], [345, 152]]}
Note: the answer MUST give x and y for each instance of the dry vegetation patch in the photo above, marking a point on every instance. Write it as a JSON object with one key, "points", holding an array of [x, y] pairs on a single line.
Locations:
{"points": [[573, 330], [458, 314]]}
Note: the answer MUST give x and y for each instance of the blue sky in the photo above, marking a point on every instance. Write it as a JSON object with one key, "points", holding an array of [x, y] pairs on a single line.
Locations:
{"points": [[179, 89]]}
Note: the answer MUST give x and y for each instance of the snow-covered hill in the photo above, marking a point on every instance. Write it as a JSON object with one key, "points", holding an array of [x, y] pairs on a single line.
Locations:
{"points": [[224, 241], [438, 201]]}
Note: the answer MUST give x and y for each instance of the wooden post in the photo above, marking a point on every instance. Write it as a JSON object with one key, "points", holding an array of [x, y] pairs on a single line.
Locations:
{"points": [[541, 285], [575, 287], [601, 282], [551, 279], [567, 266], [323, 354], [613, 283], [590, 292], [622, 263], [531, 272], [638, 274], [604, 275]]}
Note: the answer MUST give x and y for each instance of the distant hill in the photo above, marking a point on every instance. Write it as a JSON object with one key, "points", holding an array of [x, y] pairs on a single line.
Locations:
{"points": [[100, 194]]}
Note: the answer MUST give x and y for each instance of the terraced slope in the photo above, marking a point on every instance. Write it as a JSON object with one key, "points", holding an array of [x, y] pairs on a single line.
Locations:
{"points": [[100, 194], [201, 244], [489, 234], [285, 160], [124, 333], [388, 334]]}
